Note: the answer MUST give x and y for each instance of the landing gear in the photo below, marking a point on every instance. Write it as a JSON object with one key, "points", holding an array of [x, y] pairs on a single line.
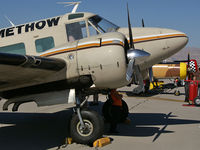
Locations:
{"points": [[93, 127], [86, 125], [120, 115]]}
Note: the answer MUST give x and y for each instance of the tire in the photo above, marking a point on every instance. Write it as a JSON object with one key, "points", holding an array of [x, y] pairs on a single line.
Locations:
{"points": [[108, 113], [197, 101], [94, 124]]}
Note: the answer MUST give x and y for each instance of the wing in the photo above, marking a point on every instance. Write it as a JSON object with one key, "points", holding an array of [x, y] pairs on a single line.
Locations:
{"points": [[18, 71]]}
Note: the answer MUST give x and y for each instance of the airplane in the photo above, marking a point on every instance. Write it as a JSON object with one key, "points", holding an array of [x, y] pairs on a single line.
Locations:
{"points": [[65, 59], [170, 70], [176, 70], [181, 69]]}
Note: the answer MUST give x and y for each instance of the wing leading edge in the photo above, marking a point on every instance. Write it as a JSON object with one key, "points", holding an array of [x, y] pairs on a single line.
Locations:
{"points": [[17, 71]]}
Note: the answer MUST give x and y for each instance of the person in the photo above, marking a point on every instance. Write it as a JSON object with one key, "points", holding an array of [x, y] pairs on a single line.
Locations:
{"points": [[116, 97], [189, 77], [116, 110], [187, 91], [197, 79]]}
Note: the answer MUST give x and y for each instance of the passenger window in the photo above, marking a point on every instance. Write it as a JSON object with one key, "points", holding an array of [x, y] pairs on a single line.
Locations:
{"points": [[14, 49], [44, 44], [76, 31]]}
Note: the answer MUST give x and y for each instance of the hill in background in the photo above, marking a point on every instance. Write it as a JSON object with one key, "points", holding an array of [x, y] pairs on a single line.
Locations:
{"points": [[183, 54]]}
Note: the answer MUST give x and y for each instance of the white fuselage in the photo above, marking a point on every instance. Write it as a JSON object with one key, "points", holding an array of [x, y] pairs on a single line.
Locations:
{"points": [[93, 53]]}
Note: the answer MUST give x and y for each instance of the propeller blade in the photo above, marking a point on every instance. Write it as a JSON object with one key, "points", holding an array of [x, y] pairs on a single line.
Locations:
{"points": [[188, 57], [143, 23], [150, 74], [130, 70], [130, 30]]}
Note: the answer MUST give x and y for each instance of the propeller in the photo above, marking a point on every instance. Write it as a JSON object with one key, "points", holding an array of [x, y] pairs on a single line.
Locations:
{"points": [[188, 58], [143, 23], [135, 56], [188, 62]]}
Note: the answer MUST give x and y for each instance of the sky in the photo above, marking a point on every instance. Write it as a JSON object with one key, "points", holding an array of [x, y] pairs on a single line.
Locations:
{"points": [[182, 15]]}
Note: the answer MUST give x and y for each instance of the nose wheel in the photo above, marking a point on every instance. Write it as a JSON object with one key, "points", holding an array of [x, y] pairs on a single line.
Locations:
{"points": [[92, 130]]}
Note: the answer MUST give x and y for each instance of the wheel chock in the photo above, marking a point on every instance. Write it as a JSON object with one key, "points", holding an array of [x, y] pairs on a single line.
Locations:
{"points": [[101, 142], [68, 140]]}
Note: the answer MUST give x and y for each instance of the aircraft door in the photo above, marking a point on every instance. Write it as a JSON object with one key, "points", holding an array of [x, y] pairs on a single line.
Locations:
{"points": [[75, 31]]}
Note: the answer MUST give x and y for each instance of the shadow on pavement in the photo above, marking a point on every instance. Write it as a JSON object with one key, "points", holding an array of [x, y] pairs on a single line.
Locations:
{"points": [[142, 124], [48, 130], [33, 130]]}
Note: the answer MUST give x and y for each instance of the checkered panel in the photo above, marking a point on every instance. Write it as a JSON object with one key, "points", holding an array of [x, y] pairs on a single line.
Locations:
{"points": [[192, 66]]}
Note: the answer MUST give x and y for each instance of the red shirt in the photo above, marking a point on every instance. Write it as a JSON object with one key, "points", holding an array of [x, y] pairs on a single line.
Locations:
{"points": [[116, 97]]}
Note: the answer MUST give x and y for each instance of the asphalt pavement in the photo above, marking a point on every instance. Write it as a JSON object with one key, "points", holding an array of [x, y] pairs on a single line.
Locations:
{"points": [[158, 121]]}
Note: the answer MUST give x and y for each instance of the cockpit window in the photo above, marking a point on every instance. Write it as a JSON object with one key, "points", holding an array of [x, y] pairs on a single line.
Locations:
{"points": [[76, 31], [102, 24], [92, 29]]}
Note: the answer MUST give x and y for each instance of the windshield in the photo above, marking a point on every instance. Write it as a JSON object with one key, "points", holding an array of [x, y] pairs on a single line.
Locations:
{"points": [[102, 24]]}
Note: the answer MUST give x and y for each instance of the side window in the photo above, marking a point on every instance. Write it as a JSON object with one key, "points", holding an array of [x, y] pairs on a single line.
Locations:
{"points": [[14, 49], [76, 31], [44, 44]]}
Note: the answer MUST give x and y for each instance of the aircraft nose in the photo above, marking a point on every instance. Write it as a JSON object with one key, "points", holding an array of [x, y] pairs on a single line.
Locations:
{"points": [[176, 40], [183, 38]]}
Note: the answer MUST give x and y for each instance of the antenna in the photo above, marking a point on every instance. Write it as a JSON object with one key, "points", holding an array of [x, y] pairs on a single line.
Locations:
{"points": [[12, 24], [76, 4]]}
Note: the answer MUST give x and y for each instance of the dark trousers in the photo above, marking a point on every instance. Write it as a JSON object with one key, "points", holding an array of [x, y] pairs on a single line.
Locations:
{"points": [[187, 91], [116, 112]]}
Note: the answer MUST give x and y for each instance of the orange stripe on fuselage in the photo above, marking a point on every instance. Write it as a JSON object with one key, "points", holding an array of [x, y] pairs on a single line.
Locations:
{"points": [[79, 47], [112, 42], [158, 37], [88, 45], [58, 51]]}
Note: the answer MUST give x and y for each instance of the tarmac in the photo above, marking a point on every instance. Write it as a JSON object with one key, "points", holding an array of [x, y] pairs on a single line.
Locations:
{"points": [[158, 121]]}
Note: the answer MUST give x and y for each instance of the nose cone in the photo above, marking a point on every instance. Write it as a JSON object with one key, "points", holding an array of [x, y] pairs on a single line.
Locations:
{"points": [[176, 35], [175, 40]]}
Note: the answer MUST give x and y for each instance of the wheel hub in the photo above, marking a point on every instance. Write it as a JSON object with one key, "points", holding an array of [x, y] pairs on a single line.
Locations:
{"points": [[198, 101], [87, 130]]}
